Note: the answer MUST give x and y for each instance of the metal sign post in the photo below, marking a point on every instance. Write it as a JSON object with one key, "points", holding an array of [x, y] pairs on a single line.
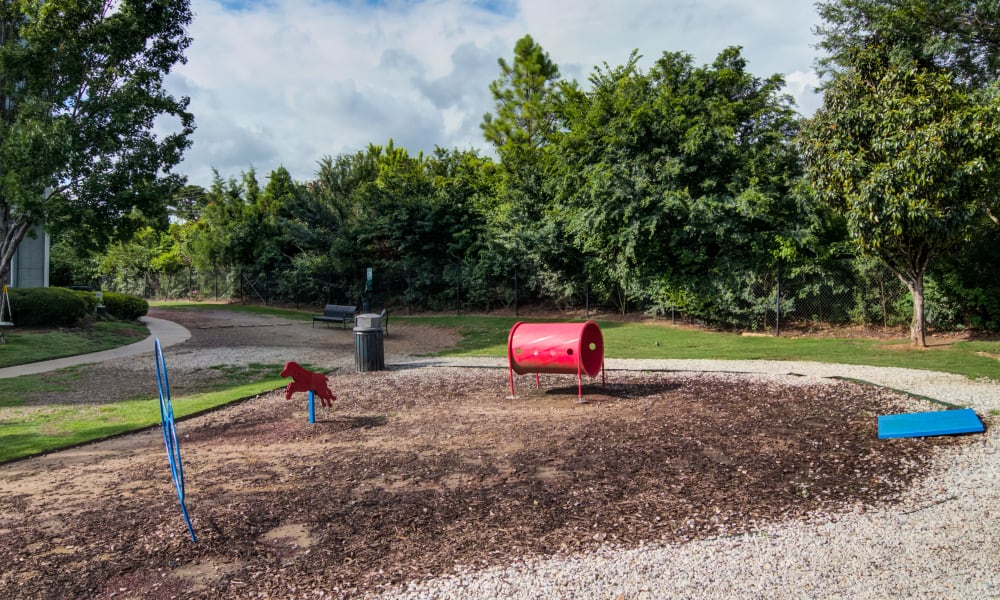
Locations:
{"points": [[366, 297]]}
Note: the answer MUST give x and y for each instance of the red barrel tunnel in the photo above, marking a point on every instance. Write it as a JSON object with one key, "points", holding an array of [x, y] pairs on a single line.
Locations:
{"points": [[567, 348]]}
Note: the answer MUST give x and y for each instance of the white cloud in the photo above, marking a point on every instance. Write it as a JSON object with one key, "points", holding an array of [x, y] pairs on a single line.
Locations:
{"points": [[774, 34], [288, 82], [802, 86]]}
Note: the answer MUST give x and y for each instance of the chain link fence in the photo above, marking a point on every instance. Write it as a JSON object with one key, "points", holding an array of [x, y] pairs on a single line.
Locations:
{"points": [[842, 296], [849, 293]]}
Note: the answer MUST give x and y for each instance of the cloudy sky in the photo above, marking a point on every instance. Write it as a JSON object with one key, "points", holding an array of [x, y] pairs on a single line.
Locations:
{"points": [[287, 82]]}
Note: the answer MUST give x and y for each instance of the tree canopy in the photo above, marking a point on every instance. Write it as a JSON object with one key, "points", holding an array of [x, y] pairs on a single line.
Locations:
{"points": [[524, 95], [80, 90], [678, 171], [907, 143], [676, 187], [960, 36]]}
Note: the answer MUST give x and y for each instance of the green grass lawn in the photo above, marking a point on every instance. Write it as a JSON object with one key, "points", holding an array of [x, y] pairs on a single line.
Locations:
{"points": [[29, 429], [487, 336], [27, 345], [25, 431]]}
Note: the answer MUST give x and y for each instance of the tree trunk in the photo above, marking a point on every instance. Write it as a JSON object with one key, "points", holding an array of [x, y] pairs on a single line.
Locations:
{"points": [[912, 275], [12, 232], [916, 286]]}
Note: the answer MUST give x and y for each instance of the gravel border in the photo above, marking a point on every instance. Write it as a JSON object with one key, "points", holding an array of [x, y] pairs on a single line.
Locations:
{"points": [[941, 541]]}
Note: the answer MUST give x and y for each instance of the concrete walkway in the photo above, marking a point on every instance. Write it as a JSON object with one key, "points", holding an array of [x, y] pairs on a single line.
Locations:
{"points": [[168, 332]]}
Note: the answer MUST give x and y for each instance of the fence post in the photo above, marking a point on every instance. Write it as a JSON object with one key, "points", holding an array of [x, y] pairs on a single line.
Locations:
{"points": [[515, 293], [777, 301]]}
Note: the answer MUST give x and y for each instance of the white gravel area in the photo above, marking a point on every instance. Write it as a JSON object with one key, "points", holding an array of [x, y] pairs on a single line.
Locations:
{"points": [[942, 541]]}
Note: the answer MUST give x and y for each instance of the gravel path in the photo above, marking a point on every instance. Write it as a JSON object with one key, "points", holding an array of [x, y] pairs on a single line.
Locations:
{"points": [[942, 541]]}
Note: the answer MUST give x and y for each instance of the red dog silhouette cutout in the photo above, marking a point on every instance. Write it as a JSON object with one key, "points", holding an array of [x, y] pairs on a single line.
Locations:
{"points": [[307, 381]]}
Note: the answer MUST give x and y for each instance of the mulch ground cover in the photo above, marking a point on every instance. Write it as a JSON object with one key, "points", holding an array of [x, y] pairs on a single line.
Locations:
{"points": [[418, 471]]}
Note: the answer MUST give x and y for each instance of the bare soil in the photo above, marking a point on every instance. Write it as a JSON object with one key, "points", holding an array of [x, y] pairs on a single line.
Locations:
{"points": [[415, 472]]}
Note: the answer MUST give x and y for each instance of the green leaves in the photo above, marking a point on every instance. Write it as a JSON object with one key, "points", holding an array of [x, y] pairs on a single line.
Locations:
{"points": [[665, 173], [960, 36], [80, 87], [906, 144], [525, 94], [902, 151]]}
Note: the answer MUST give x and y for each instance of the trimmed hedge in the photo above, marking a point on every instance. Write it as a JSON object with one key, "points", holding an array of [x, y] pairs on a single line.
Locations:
{"points": [[125, 307], [47, 306], [61, 306], [87, 297]]}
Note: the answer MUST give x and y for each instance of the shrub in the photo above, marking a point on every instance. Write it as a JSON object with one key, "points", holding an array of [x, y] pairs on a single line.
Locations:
{"points": [[89, 297], [124, 306], [47, 306]]}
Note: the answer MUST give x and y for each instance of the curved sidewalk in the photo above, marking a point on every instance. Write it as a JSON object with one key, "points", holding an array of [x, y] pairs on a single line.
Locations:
{"points": [[168, 332]]}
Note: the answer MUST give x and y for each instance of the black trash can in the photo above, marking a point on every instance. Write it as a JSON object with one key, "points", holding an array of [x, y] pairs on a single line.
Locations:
{"points": [[369, 352]]}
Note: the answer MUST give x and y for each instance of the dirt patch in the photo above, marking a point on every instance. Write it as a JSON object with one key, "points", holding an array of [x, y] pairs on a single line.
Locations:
{"points": [[418, 471]]}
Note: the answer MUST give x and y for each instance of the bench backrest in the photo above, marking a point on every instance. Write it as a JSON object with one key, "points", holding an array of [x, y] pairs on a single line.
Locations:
{"points": [[336, 310]]}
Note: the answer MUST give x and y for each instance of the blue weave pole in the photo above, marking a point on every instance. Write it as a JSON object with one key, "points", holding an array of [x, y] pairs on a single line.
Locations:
{"points": [[312, 407], [170, 432]]}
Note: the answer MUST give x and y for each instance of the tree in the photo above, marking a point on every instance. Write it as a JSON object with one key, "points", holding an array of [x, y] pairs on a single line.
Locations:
{"points": [[527, 95], [961, 36], [210, 238], [678, 177], [70, 266], [187, 203], [909, 155], [135, 266], [80, 90], [523, 94]]}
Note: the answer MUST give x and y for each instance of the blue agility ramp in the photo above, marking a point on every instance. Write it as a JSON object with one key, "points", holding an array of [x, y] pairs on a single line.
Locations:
{"points": [[923, 424]]}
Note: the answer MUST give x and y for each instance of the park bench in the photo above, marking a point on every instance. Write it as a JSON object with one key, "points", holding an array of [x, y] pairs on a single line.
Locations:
{"points": [[335, 313], [384, 315]]}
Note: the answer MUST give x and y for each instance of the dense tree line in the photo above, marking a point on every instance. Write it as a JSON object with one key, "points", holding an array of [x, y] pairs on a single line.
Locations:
{"points": [[679, 187]]}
